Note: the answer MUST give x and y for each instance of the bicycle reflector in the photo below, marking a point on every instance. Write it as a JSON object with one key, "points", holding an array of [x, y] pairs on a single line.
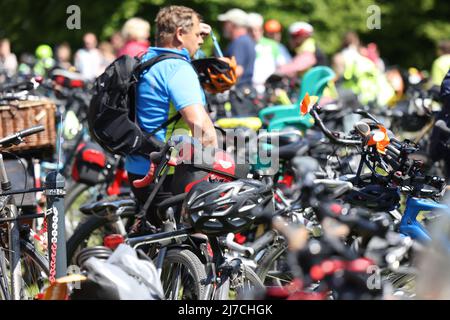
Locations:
{"points": [[112, 241]]}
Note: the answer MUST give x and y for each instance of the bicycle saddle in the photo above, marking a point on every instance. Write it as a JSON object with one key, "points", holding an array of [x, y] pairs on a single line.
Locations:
{"points": [[100, 206]]}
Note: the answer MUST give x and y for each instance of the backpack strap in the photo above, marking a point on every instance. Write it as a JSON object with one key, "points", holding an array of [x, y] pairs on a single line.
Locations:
{"points": [[151, 62], [147, 146]]}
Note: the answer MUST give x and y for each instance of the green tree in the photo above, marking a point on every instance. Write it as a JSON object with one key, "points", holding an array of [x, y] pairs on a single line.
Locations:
{"points": [[408, 35]]}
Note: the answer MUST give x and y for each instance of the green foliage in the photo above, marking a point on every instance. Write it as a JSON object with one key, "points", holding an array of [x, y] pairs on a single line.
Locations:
{"points": [[408, 34]]}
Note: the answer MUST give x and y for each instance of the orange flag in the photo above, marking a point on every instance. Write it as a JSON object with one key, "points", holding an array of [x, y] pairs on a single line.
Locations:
{"points": [[304, 107]]}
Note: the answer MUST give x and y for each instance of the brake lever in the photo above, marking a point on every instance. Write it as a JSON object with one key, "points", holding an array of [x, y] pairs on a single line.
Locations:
{"points": [[366, 114]]}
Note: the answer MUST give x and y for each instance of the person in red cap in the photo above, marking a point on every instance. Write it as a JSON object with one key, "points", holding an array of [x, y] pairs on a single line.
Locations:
{"points": [[273, 30], [307, 52]]}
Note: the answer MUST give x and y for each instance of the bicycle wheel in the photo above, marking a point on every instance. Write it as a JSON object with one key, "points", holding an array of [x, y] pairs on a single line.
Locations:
{"points": [[404, 285], [273, 269], [183, 276], [242, 285], [35, 273], [77, 195], [92, 229]]}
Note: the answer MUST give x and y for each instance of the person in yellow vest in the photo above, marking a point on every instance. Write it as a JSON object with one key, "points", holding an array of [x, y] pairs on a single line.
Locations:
{"points": [[360, 74], [441, 65]]}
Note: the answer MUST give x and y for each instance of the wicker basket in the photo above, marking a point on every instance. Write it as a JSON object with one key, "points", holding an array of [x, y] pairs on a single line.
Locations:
{"points": [[19, 115]]}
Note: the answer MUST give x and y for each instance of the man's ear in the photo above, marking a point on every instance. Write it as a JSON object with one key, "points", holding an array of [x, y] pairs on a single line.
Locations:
{"points": [[179, 35]]}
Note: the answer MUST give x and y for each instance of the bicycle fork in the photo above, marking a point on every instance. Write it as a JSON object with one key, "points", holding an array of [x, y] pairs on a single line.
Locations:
{"points": [[14, 254], [13, 236]]}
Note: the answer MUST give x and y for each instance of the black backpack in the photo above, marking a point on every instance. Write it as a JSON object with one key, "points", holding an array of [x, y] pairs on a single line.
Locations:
{"points": [[111, 116]]}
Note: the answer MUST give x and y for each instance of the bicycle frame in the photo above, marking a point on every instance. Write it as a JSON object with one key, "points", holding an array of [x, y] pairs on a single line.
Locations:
{"points": [[409, 224], [54, 192]]}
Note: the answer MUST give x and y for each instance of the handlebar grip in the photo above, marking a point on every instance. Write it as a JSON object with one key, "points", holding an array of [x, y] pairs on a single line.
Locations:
{"points": [[16, 137], [395, 142], [148, 179], [393, 150], [31, 131], [263, 241]]}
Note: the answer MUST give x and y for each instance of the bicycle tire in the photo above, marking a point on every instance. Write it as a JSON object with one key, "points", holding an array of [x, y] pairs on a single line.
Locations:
{"points": [[256, 284], [82, 233], [266, 262], [194, 267], [84, 230], [249, 281], [32, 262], [73, 193]]}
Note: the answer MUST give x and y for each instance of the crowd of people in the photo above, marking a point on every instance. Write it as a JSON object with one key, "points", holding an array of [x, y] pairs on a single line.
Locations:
{"points": [[256, 44], [90, 60]]}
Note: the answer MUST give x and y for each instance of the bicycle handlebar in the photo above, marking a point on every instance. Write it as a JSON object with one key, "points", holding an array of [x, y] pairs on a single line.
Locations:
{"points": [[22, 86], [329, 134], [17, 138]]}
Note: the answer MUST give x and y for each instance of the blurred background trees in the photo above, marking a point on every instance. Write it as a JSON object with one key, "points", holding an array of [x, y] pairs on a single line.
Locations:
{"points": [[409, 30]]}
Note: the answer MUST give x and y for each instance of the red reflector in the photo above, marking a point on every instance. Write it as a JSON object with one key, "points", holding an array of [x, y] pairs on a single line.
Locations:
{"points": [[112, 241], [316, 273], [239, 238], [76, 83], [209, 249], [336, 208]]}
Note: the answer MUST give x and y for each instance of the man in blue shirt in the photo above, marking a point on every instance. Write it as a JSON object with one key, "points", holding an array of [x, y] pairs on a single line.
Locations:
{"points": [[242, 47], [169, 87]]}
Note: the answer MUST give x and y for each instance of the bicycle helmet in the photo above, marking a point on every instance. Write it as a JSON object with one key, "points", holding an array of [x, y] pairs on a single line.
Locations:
{"points": [[218, 209], [374, 197], [272, 26], [301, 28], [44, 51], [216, 75]]}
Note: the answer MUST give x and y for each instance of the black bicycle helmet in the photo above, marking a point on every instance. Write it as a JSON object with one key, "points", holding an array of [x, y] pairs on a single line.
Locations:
{"points": [[374, 197], [220, 208]]}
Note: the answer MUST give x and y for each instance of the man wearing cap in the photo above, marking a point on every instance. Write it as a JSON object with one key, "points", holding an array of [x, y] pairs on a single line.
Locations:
{"points": [[307, 52], [242, 46]]}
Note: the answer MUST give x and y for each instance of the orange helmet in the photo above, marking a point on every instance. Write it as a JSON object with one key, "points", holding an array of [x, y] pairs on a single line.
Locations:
{"points": [[272, 26], [216, 75]]}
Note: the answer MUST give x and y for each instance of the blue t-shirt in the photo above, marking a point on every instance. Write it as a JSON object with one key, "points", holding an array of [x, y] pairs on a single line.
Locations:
{"points": [[167, 87], [243, 48]]}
